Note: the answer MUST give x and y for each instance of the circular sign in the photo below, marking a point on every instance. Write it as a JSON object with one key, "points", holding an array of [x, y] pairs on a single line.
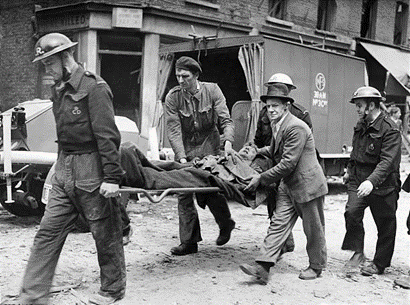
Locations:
{"points": [[320, 82]]}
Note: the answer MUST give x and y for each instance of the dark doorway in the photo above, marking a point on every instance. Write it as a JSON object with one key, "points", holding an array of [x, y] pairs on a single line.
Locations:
{"points": [[122, 73], [219, 66]]}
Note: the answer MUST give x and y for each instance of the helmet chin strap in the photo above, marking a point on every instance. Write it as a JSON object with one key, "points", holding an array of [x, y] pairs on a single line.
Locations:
{"points": [[65, 67], [66, 74], [367, 113]]}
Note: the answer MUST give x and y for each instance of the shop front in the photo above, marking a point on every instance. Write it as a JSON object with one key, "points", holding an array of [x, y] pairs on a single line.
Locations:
{"points": [[389, 72], [121, 43]]}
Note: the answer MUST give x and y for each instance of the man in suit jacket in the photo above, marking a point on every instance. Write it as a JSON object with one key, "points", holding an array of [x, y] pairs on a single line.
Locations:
{"points": [[302, 186]]}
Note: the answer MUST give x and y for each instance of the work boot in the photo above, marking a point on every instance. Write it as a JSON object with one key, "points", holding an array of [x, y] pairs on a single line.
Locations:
{"points": [[184, 249], [310, 273], [225, 232], [261, 272], [104, 298], [403, 282], [126, 238], [371, 269], [355, 261]]}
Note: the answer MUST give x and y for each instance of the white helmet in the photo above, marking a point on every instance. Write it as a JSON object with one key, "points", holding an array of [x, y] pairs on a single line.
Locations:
{"points": [[281, 78]]}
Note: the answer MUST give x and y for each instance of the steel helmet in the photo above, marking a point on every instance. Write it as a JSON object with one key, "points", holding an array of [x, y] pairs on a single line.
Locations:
{"points": [[367, 92], [281, 78], [51, 44]]}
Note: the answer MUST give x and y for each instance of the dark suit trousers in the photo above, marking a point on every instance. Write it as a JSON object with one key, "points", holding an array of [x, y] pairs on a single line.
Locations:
{"points": [[189, 228], [383, 209], [283, 220]]}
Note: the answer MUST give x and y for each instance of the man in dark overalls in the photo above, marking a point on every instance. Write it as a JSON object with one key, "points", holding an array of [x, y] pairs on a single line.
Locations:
{"points": [[87, 176], [373, 180], [194, 111]]}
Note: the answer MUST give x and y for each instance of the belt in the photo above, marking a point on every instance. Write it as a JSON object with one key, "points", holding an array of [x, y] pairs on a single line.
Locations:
{"points": [[361, 164], [78, 148]]}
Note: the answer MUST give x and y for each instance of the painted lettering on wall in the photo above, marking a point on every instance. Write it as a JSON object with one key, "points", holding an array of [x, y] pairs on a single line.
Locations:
{"points": [[319, 99], [127, 17], [320, 96], [66, 22]]}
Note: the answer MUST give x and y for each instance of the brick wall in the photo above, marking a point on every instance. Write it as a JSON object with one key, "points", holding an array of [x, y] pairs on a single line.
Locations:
{"points": [[19, 76], [236, 11], [303, 12], [17, 73], [386, 12], [348, 18]]}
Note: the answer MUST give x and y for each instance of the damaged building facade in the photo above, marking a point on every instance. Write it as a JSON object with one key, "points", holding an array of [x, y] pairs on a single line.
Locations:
{"points": [[130, 44]]}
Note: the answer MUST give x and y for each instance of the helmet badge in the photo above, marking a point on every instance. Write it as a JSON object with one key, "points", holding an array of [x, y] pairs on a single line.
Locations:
{"points": [[39, 51]]}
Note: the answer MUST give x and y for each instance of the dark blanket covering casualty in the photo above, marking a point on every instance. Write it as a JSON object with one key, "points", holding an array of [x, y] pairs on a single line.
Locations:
{"points": [[158, 175]]}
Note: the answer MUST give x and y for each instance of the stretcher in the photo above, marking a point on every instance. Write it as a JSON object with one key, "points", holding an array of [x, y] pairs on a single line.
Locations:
{"points": [[18, 164], [152, 194]]}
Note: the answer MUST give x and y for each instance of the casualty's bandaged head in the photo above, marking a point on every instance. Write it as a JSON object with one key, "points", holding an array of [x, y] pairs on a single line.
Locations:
{"points": [[188, 63]]}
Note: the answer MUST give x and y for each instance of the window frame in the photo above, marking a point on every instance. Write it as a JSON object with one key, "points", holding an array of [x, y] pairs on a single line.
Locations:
{"points": [[283, 4], [401, 21], [372, 16], [326, 12], [210, 4]]}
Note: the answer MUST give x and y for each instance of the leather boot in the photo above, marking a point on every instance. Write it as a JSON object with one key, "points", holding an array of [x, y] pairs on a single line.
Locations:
{"points": [[103, 298], [403, 282], [355, 261], [261, 272], [184, 249], [225, 232], [371, 269], [310, 274]]}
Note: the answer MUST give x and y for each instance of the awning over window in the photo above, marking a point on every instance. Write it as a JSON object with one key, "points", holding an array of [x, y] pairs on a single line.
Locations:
{"points": [[397, 64]]}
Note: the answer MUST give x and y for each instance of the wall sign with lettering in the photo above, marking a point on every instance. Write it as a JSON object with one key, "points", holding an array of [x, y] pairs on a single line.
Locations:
{"points": [[127, 17], [64, 22], [320, 98]]}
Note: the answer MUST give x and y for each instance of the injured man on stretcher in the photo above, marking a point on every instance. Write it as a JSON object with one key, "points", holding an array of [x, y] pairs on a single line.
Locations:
{"points": [[231, 175]]}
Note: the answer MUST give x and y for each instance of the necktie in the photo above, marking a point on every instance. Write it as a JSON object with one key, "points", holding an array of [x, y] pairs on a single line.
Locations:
{"points": [[274, 132]]}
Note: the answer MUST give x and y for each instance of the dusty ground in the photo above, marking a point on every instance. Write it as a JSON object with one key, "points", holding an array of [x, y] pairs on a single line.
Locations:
{"points": [[212, 275]]}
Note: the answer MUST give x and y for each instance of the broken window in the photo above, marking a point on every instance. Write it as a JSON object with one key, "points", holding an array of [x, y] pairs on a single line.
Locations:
{"points": [[277, 9], [400, 23], [325, 14], [369, 16]]}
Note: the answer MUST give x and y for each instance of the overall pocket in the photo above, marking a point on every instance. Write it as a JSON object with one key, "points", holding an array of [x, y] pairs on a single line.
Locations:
{"points": [[77, 124], [206, 118], [94, 205]]}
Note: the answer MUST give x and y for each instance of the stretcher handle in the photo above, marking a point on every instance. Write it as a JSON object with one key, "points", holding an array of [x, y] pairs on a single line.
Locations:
{"points": [[164, 193]]}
